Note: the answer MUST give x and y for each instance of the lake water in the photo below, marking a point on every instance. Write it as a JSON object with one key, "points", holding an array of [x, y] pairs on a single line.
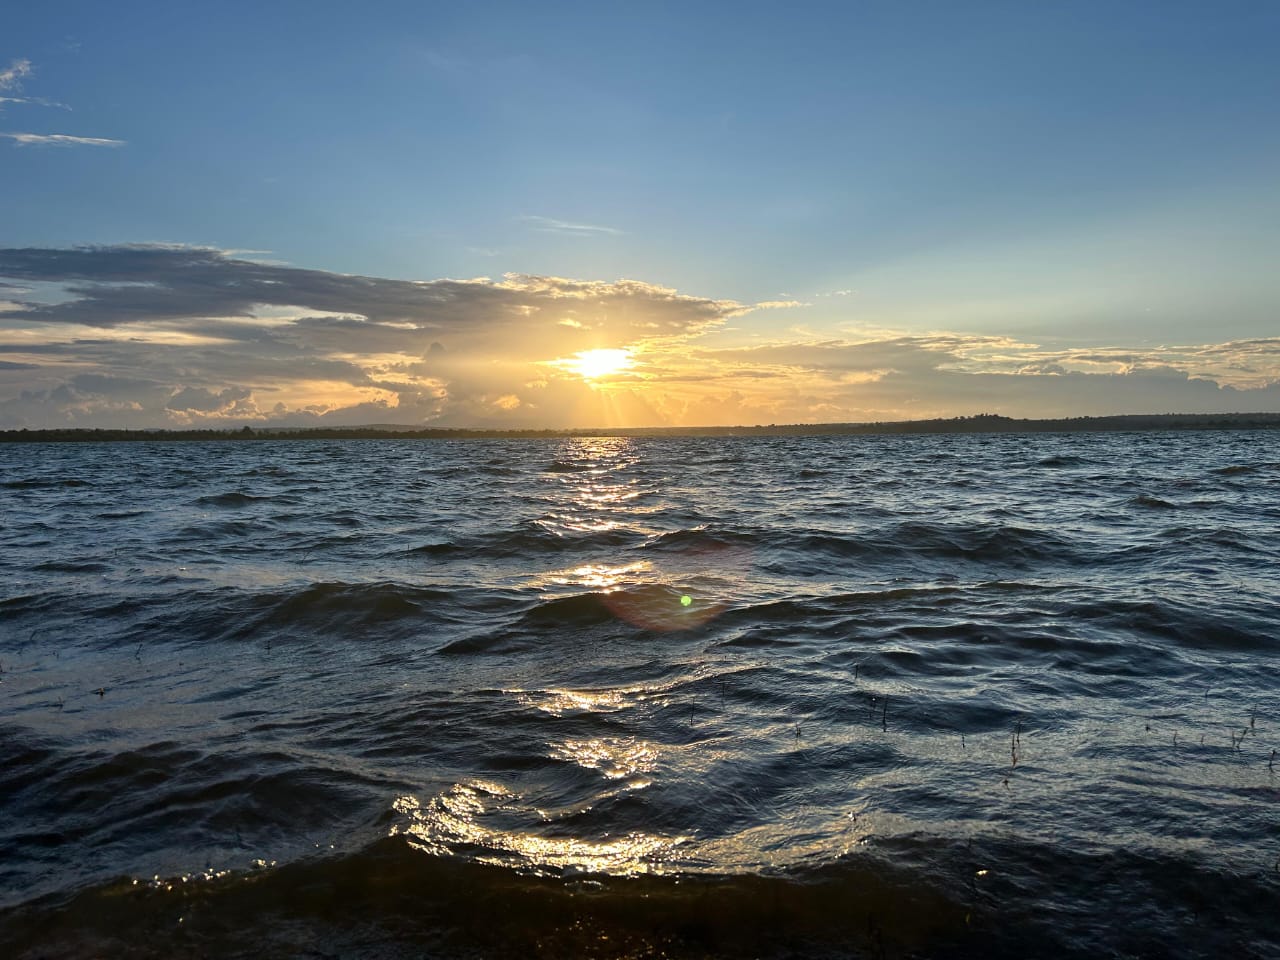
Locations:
{"points": [[936, 696]]}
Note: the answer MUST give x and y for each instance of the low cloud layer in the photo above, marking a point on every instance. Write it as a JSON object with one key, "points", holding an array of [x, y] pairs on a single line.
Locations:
{"points": [[152, 335]]}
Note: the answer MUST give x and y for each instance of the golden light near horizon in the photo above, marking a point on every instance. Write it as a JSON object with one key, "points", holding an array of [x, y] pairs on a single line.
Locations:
{"points": [[594, 364]]}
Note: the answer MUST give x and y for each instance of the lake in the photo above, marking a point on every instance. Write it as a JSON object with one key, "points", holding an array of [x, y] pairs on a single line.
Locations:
{"points": [[938, 696]]}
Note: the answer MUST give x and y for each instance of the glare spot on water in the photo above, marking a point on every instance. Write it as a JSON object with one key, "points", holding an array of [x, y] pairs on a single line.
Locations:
{"points": [[559, 702], [453, 822], [615, 758], [597, 576]]}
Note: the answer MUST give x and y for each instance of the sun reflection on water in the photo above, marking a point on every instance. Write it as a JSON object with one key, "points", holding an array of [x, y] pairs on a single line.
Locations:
{"points": [[599, 576], [615, 758], [455, 822], [558, 703], [577, 523], [591, 494]]}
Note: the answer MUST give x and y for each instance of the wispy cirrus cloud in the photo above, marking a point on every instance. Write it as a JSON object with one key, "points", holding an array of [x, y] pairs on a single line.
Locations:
{"points": [[552, 225], [11, 78], [35, 101], [60, 140]]}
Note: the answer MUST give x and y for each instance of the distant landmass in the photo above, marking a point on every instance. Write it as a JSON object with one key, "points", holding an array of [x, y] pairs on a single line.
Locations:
{"points": [[980, 423]]}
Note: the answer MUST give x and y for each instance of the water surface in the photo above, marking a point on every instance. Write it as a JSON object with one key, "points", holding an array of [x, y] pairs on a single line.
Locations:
{"points": [[998, 695]]}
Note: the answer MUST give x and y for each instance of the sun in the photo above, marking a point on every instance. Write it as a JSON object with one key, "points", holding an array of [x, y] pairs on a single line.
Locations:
{"points": [[593, 364]]}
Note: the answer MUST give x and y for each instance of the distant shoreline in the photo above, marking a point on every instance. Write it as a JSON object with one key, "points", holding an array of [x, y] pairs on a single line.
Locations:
{"points": [[981, 423]]}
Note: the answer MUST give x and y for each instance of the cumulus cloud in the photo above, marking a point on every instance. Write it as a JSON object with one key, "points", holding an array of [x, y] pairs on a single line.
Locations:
{"points": [[200, 400], [942, 375], [221, 331]]}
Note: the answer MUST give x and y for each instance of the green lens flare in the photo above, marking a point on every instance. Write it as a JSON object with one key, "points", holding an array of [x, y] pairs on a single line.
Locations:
{"points": [[686, 600]]}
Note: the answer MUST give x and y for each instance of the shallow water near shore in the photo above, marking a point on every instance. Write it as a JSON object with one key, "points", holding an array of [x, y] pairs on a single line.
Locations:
{"points": [[965, 695]]}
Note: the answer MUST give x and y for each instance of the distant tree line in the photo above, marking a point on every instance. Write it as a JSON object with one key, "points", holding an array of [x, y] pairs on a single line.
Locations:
{"points": [[979, 423]]}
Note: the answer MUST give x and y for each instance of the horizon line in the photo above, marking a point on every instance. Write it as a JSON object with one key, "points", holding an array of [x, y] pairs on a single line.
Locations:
{"points": [[972, 423]]}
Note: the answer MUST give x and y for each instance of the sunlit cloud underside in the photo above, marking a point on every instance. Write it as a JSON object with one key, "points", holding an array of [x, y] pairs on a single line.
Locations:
{"points": [[177, 336]]}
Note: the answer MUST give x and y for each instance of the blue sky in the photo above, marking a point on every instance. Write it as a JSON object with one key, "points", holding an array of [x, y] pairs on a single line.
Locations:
{"points": [[1049, 181]]}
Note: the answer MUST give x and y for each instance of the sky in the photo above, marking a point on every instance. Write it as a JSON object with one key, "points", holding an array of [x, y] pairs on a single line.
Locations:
{"points": [[576, 215]]}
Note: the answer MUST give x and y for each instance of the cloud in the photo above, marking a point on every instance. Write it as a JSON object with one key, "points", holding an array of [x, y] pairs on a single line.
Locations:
{"points": [[779, 304], [550, 225], [228, 337], [60, 140], [200, 400], [164, 335], [108, 287], [832, 358], [942, 375], [36, 101], [11, 77]]}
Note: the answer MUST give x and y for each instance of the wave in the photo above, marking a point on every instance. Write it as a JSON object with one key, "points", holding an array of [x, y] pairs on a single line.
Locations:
{"points": [[436, 548], [566, 466], [917, 895], [235, 498], [72, 566], [659, 608], [340, 609], [811, 547], [529, 540], [218, 535], [327, 611], [1064, 460], [979, 542], [703, 538], [404, 902], [1187, 626], [812, 756], [45, 483], [1146, 500], [1236, 469]]}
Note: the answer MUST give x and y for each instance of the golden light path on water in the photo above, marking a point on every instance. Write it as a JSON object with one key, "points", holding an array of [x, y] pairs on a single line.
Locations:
{"points": [[498, 825], [535, 829], [594, 494], [617, 758], [975, 670], [454, 821]]}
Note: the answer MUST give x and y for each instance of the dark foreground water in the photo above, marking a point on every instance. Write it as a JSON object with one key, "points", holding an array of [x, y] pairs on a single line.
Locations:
{"points": [[1006, 696]]}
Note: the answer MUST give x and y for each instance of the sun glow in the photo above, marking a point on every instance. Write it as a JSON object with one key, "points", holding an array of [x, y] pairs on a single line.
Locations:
{"points": [[593, 364]]}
